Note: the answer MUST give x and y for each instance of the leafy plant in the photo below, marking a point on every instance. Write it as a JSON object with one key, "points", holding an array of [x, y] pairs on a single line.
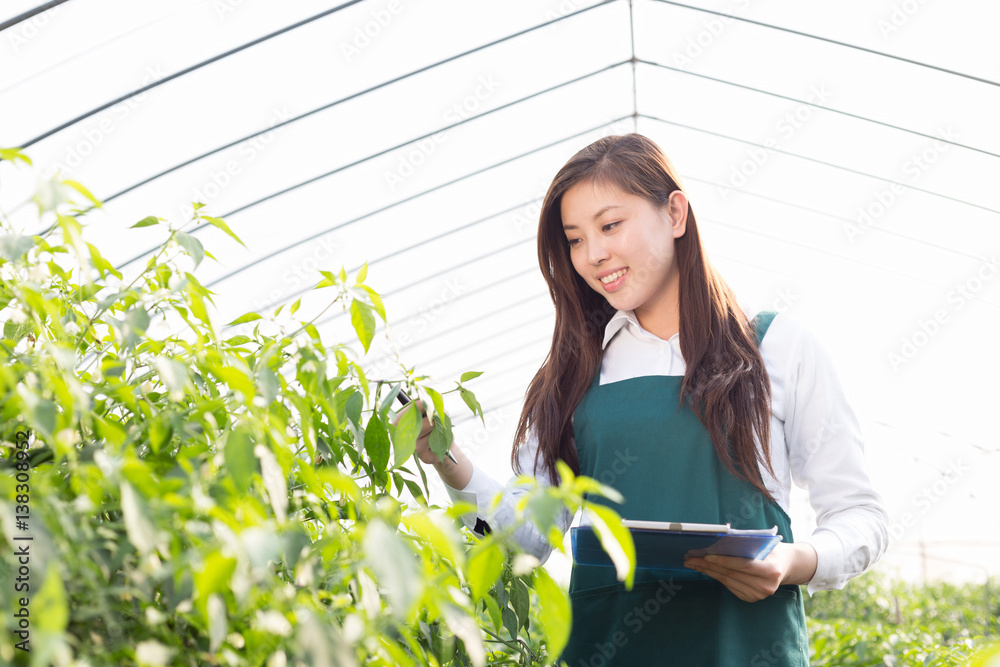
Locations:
{"points": [[876, 621], [196, 499]]}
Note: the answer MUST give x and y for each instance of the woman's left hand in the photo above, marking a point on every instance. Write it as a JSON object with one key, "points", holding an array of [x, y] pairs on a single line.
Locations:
{"points": [[752, 580]]}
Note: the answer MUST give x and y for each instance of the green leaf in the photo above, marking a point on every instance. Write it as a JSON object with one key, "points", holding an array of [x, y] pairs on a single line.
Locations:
{"points": [[470, 375], [133, 327], [15, 332], [470, 400], [101, 264], [377, 443], [14, 246], [493, 609], [353, 406], [389, 397], [221, 224], [589, 485], [509, 621], [437, 400], [519, 600], [363, 321], [554, 612], [415, 491], [441, 437], [395, 567], [41, 413], [160, 432], [83, 191], [249, 317], [174, 374], [328, 279], [295, 306], [404, 437], [240, 461], [213, 578], [543, 506], [14, 154], [146, 222], [49, 609], [268, 384], [236, 379], [437, 532], [275, 482], [192, 246], [615, 539], [110, 430], [466, 628], [376, 301], [485, 566], [218, 624], [140, 529], [362, 274]]}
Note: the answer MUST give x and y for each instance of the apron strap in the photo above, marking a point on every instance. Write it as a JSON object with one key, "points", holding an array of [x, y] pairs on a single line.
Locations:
{"points": [[761, 322]]}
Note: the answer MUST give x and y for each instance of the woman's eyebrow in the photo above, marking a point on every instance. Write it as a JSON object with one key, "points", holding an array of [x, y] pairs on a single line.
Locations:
{"points": [[598, 214], [606, 209]]}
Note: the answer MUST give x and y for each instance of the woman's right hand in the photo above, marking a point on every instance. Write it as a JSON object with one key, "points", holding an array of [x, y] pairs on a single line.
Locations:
{"points": [[423, 448], [455, 473]]}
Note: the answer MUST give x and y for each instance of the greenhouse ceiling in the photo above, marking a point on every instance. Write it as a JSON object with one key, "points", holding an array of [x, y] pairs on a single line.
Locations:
{"points": [[842, 159]]}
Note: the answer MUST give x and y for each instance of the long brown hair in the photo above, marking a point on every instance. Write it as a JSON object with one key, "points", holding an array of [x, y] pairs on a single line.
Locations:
{"points": [[725, 381]]}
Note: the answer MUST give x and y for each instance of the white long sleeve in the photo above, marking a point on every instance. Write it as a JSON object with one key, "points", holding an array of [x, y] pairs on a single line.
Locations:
{"points": [[826, 457], [482, 488]]}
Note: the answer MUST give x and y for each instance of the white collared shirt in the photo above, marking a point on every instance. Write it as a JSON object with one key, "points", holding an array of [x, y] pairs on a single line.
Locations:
{"points": [[815, 440]]}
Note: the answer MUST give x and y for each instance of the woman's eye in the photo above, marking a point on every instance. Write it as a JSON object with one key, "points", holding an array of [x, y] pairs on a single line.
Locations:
{"points": [[610, 226], [571, 242]]}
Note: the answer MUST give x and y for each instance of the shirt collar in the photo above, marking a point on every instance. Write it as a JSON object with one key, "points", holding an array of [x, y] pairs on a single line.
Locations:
{"points": [[623, 318], [620, 320]]}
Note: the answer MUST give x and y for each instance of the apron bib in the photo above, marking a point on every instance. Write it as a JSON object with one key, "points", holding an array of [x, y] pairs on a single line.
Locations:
{"points": [[632, 436]]}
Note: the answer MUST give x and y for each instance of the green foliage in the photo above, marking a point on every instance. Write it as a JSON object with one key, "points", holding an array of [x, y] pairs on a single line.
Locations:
{"points": [[241, 500], [874, 621]]}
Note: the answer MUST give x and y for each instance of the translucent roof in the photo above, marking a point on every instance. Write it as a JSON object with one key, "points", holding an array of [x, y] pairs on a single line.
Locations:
{"points": [[842, 162]]}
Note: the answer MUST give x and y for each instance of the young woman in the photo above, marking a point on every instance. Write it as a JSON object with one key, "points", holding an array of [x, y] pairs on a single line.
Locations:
{"points": [[660, 383]]}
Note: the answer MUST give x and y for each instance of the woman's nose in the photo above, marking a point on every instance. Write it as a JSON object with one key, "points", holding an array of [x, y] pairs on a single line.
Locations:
{"points": [[598, 252]]}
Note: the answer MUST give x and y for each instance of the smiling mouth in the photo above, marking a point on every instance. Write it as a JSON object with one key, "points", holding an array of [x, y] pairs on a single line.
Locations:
{"points": [[610, 278]]}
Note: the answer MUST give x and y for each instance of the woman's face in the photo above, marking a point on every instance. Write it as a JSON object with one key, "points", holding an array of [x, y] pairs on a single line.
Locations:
{"points": [[623, 246]]}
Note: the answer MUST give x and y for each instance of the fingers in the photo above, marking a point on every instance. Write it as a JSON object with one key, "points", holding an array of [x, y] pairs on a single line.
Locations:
{"points": [[747, 579], [737, 587], [730, 562], [746, 568], [742, 590]]}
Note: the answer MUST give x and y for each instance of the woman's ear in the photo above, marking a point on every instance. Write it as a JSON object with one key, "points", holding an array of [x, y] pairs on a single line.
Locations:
{"points": [[677, 210]]}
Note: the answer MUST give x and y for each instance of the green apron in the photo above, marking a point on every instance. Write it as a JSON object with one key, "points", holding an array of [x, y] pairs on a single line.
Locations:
{"points": [[632, 436]]}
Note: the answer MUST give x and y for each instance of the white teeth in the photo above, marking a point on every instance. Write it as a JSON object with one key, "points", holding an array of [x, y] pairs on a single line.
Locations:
{"points": [[613, 277]]}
